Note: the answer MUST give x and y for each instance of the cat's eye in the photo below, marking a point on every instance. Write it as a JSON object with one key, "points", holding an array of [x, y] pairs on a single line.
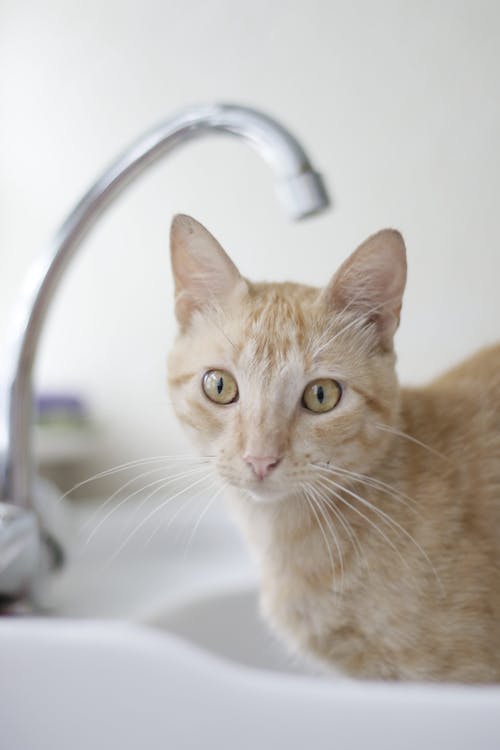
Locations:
{"points": [[220, 386], [321, 395]]}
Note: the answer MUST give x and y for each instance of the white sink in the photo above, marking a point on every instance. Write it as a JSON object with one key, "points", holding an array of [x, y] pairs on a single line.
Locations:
{"points": [[161, 649], [227, 625]]}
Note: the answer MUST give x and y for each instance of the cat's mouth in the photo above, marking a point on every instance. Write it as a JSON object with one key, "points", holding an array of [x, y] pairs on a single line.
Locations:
{"points": [[265, 493], [267, 490]]}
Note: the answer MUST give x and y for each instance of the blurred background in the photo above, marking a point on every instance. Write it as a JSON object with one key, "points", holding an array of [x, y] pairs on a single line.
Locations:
{"points": [[396, 102]]}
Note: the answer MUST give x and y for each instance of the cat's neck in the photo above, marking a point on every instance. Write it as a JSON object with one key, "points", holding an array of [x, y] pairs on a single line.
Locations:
{"points": [[298, 536]]}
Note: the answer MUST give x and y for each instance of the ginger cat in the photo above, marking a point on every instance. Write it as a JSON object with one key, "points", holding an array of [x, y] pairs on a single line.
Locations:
{"points": [[373, 510]]}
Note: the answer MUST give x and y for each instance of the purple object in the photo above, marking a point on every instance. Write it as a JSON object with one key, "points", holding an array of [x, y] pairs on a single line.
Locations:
{"points": [[49, 405]]}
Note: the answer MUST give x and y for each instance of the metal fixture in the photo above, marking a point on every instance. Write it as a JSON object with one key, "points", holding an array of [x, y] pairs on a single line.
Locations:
{"points": [[302, 192]]}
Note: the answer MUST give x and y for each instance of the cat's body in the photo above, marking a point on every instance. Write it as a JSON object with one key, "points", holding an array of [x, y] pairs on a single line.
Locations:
{"points": [[393, 614], [376, 521]]}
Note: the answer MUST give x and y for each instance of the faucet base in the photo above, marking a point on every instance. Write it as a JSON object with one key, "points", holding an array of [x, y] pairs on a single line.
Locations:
{"points": [[20, 551]]}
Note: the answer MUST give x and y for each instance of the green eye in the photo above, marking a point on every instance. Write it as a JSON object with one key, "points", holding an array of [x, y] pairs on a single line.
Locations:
{"points": [[220, 386], [321, 395]]}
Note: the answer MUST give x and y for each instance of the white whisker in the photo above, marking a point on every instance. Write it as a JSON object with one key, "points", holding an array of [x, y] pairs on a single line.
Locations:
{"points": [[360, 321], [372, 482], [312, 503], [131, 465], [184, 475], [158, 483], [202, 515], [153, 512], [398, 433], [368, 520], [389, 521], [102, 507], [331, 528], [345, 525], [179, 510]]}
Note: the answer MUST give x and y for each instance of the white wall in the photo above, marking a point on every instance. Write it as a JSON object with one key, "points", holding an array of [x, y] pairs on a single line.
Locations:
{"points": [[396, 101]]}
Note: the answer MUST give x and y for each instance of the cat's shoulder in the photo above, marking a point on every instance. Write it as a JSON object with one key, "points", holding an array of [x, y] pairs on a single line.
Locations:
{"points": [[465, 396], [483, 367]]}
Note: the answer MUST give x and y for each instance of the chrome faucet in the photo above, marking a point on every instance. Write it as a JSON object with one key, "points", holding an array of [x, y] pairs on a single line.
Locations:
{"points": [[302, 192]]}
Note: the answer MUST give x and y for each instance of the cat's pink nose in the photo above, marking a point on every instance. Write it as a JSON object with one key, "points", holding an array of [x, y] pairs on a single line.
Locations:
{"points": [[262, 465]]}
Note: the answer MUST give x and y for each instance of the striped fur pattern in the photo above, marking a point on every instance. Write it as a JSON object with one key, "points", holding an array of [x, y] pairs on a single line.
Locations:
{"points": [[377, 531]]}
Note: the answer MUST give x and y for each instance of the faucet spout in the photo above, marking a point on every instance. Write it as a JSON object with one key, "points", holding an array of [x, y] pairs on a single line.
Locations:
{"points": [[301, 190]]}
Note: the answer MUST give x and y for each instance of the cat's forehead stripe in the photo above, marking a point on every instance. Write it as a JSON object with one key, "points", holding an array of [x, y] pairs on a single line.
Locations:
{"points": [[275, 323]]}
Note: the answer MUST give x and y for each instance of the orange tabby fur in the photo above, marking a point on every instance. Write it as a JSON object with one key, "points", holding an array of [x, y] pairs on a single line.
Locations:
{"points": [[378, 532]]}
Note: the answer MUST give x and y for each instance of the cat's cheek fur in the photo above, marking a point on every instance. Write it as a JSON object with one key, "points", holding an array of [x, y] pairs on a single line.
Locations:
{"points": [[192, 413]]}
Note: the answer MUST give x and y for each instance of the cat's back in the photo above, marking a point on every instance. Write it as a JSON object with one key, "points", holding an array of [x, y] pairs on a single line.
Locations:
{"points": [[457, 416], [480, 371], [470, 395], [460, 405]]}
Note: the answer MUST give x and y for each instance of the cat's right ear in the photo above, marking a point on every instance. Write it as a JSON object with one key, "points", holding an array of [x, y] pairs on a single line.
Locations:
{"points": [[204, 274]]}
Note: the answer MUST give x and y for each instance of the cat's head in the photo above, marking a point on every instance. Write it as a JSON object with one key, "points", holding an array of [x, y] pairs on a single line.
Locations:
{"points": [[275, 380]]}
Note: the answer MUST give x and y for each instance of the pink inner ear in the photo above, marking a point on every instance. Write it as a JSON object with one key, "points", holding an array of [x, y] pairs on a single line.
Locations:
{"points": [[371, 282], [204, 274]]}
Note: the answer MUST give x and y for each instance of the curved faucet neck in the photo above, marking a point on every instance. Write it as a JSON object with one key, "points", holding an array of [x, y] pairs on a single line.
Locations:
{"points": [[301, 189]]}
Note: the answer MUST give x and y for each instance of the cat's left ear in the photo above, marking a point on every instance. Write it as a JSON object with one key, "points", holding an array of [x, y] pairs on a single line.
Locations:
{"points": [[204, 274], [371, 282]]}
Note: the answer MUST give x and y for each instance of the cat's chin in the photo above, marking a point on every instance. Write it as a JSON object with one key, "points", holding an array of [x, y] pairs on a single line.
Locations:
{"points": [[266, 496]]}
